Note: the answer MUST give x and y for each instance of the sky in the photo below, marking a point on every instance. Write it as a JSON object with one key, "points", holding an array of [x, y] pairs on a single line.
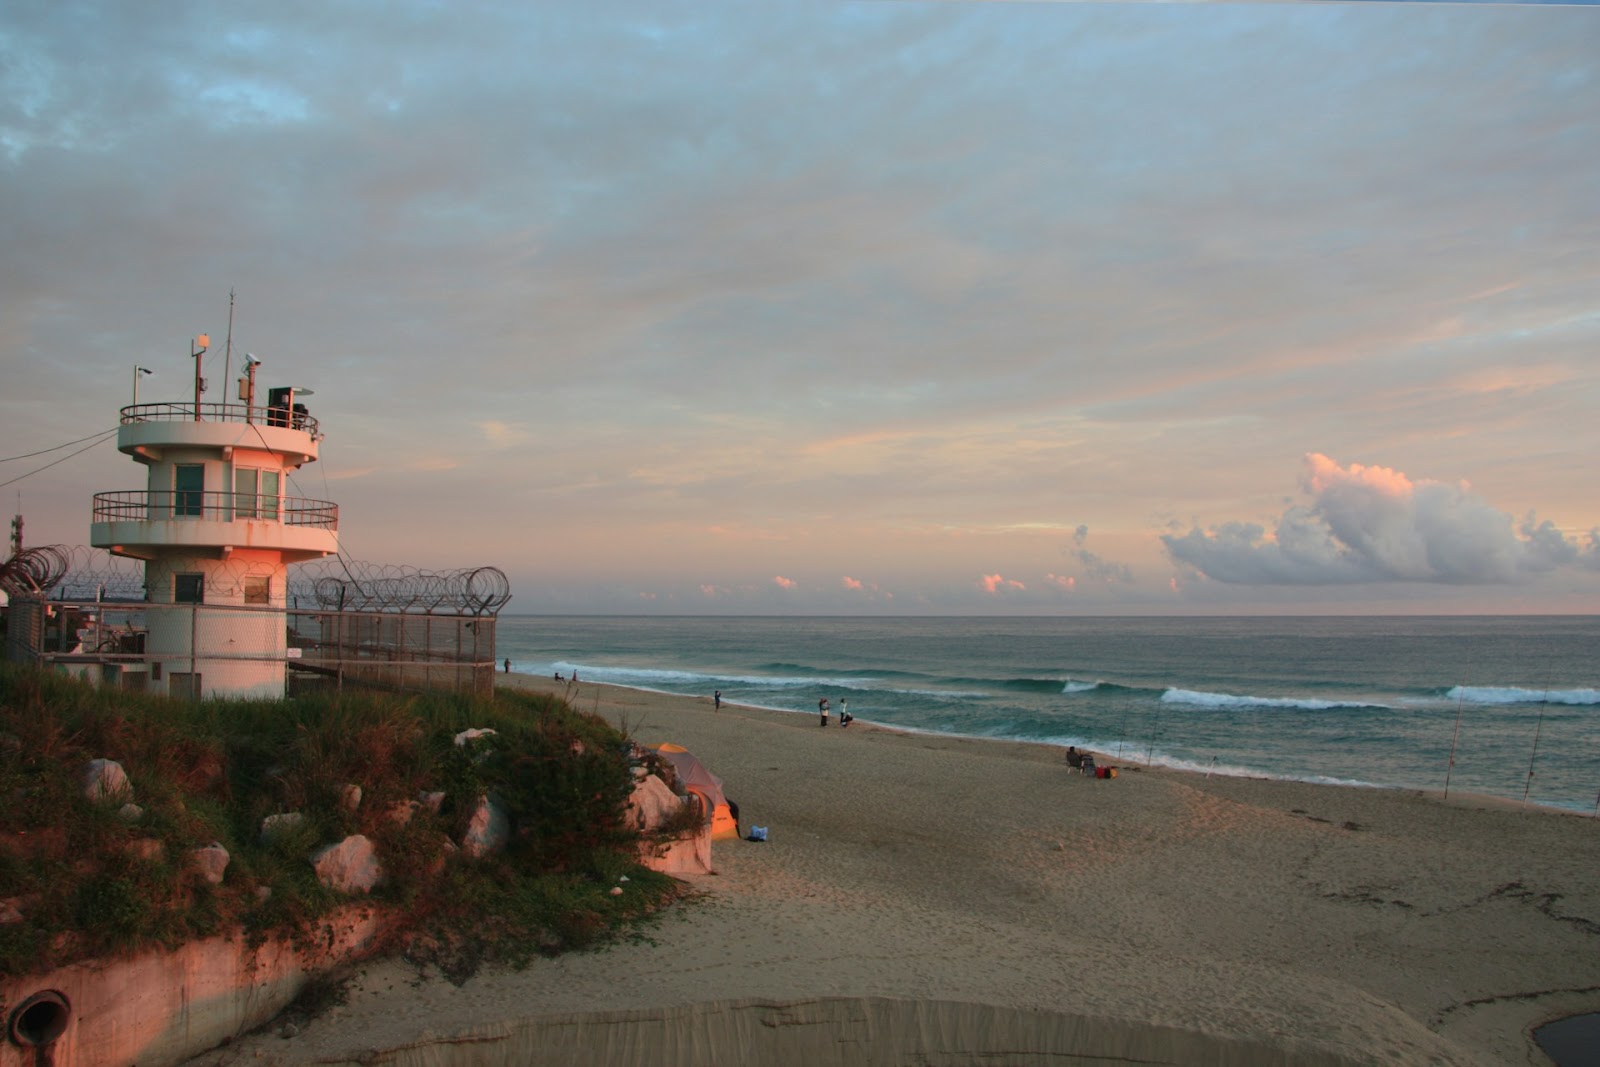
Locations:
{"points": [[809, 307]]}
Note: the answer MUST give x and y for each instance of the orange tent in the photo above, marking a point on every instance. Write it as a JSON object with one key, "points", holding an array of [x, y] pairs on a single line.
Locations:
{"points": [[694, 778]]}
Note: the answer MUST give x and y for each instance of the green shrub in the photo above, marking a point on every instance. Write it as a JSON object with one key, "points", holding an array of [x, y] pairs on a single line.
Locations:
{"points": [[91, 884]]}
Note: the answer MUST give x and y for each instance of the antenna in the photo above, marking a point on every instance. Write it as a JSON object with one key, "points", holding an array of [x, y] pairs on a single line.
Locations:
{"points": [[227, 356]]}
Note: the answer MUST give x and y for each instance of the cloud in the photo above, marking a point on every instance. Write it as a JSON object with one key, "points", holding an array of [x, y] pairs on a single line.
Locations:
{"points": [[1376, 524], [1094, 566], [994, 583], [850, 583], [1065, 581], [503, 434], [783, 583]]}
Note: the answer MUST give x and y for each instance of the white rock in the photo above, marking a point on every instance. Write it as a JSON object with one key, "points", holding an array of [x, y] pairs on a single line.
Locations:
{"points": [[488, 830], [210, 862], [351, 866], [104, 779], [472, 735], [652, 803]]}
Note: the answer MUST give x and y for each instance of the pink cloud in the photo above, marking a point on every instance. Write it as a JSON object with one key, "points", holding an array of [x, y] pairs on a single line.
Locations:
{"points": [[708, 590], [993, 583], [783, 583], [1326, 474], [850, 583], [1065, 581]]}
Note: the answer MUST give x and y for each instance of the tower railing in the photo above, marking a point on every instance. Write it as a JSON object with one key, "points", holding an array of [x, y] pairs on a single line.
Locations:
{"points": [[257, 415], [145, 505]]}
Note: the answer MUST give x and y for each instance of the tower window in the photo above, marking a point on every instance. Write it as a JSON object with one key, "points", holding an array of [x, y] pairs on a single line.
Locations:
{"points": [[188, 483], [188, 588], [257, 590], [255, 493]]}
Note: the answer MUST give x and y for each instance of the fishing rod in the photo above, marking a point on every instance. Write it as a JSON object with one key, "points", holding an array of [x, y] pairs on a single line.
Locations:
{"points": [[1537, 730], [1461, 697]]}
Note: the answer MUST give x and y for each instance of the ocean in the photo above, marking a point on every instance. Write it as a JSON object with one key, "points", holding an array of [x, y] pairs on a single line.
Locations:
{"points": [[1377, 701]]}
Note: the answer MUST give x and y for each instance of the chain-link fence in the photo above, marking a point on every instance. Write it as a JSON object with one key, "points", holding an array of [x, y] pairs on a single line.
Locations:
{"points": [[192, 650], [347, 622]]}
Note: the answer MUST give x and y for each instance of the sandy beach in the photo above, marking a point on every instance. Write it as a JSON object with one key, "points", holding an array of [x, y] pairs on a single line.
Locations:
{"points": [[934, 900]]}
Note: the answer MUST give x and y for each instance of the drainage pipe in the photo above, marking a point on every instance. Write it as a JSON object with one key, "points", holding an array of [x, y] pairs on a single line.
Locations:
{"points": [[39, 1021]]}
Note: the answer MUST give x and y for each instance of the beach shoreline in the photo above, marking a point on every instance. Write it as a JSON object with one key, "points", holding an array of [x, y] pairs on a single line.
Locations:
{"points": [[931, 896]]}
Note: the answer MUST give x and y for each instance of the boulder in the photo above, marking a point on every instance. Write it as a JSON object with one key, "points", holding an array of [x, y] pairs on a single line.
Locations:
{"points": [[472, 735], [652, 803], [488, 829], [283, 822], [104, 779], [350, 798], [210, 862], [351, 866]]}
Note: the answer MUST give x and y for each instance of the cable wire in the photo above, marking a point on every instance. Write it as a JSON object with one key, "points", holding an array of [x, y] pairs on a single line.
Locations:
{"points": [[103, 439], [69, 444]]}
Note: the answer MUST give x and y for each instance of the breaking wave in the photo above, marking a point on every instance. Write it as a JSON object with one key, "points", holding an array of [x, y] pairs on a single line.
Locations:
{"points": [[1490, 694], [1197, 699]]}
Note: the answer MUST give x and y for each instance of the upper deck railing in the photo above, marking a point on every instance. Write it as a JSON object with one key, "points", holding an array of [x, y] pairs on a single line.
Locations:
{"points": [[140, 505], [260, 416]]}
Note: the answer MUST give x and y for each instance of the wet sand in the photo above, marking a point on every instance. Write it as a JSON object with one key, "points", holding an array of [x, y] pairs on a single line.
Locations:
{"points": [[936, 900]]}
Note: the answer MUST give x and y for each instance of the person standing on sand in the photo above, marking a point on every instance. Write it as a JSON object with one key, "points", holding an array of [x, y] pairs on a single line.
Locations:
{"points": [[716, 699], [508, 665], [844, 713], [822, 709]]}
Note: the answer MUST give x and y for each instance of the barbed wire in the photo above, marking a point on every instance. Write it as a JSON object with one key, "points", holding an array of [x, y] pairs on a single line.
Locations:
{"points": [[334, 584], [33, 572], [354, 585]]}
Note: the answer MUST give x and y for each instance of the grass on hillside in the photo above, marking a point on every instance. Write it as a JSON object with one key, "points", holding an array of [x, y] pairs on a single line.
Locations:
{"points": [[90, 881]]}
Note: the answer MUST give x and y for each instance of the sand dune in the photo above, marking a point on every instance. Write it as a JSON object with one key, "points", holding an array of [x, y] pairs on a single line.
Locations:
{"points": [[939, 901]]}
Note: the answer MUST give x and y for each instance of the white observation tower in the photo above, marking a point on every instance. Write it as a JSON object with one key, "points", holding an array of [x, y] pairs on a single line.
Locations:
{"points": [[217, 533]]}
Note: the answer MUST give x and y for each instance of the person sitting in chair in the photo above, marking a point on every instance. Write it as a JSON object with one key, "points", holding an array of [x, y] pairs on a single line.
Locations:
{"points": [[1074, 759]]}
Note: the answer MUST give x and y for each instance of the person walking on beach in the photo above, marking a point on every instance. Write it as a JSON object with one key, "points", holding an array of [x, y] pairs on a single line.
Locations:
{"points": [[844, 713], [508, 665], [822, 709], [716, 699]]}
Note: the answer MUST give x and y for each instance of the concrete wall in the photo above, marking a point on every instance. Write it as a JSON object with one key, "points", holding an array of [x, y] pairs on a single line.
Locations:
{"points": [[161, 1008]]}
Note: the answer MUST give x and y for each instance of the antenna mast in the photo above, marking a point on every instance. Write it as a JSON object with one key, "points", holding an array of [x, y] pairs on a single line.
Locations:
{"points": [[227, 356]]}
